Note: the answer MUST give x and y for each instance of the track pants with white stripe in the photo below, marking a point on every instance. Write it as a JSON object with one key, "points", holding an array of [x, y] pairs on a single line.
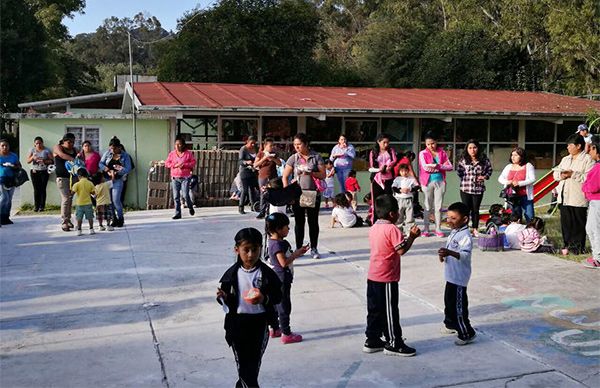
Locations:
{"points": [[383, 316], [456, 310], [248, 342]]}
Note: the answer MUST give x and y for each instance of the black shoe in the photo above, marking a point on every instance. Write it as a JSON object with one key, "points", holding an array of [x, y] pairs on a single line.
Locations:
{"points": [[70, 224], [373, 345], [6, 221], [121, 222], [260, 216], [403, 351], [176, 216], [192, 211], [241, 210]]}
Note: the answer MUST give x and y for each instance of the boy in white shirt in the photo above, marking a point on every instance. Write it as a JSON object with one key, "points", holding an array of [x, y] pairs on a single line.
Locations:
{"points": [[403, 186]]}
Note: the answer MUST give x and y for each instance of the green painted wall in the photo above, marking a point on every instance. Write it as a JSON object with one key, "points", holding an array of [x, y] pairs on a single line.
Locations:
{"points": [[152, 140]]}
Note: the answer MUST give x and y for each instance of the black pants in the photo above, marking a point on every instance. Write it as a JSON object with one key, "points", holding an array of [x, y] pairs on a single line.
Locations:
{"points": [[39, 179], [456, 310], [300, 215], [572, 224], [264, 205], [383, 316], [248, 340], [376, 191], [284, 309], [473, 202], [249, 187]]}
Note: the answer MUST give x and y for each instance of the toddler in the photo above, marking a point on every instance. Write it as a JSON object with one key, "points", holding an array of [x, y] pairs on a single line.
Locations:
{"points": [[343, 213], [511, 233], [83, 201], [329, 182], [352, 187], [402, 187], [103, 206], [531, 239]]}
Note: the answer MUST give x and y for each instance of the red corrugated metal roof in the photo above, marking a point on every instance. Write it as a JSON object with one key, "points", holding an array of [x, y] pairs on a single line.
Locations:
{"points": [[223, 97]]}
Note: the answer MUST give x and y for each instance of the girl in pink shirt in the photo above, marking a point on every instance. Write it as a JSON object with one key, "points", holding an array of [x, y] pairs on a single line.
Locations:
{"points": [[382, 160]]}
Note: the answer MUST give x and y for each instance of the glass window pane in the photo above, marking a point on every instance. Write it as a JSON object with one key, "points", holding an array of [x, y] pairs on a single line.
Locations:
{"points": [[202, 132], [500, 155], [443, 130], [538, 130], [280, 128], [361, 130], [565, 130], [326, 130], [504, 130], [398, 129], [93, 136], [540, 155], [78, 132], [239, 129], [471, 129]]}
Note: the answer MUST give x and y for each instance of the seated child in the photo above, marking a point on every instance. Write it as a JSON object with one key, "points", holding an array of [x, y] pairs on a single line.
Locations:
{"points": [[83, 190], [352, 187], [402, 187], [495, 220], [511, 233], [343, 213], [367, 200], [531, 239]]}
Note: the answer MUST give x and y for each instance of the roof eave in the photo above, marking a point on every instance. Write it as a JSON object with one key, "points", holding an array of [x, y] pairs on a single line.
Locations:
{"points": [[70, 100]]}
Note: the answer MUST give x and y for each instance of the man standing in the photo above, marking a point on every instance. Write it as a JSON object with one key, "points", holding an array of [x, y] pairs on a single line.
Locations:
{"points": [[64, 151], [583, 130]]}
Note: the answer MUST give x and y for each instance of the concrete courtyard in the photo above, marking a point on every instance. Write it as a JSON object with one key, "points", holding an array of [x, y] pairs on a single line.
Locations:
{"points": [[136, 308]]}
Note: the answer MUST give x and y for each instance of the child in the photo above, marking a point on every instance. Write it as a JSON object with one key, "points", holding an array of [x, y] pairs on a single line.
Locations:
{"points": [[403, 186], [531, 240], [329, 182], [511, 233], [352, 187], [343, 214], [281, 259], [249, 291], [83, 202], [457, 271], [367, 200], [103, 206], [387, 245], [495, 220]]}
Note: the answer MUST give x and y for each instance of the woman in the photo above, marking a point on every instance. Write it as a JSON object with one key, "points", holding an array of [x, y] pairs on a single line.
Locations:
{"points": [[571, 173], [9, 161], [473, 169], [433, 164], [116, 163], [39, 157], [518, 178], [181, 162], [90, 157], [306, 166], [248, 173], [266, 163], [342, 156], [382, 160], [591, 189]]}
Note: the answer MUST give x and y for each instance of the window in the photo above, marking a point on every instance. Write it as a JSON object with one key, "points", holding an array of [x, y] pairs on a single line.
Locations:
{"points": [[443, 130], [399, 130], [281, 129], [360, 131], [566, 129], [467, 129], [200, 132], [83, 133], [327, 130], [540, 143], [238, 130], [504, 131], [539, 131]]}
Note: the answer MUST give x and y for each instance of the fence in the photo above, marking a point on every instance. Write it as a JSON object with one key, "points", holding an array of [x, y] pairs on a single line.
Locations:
{"points": [[216, 171]]}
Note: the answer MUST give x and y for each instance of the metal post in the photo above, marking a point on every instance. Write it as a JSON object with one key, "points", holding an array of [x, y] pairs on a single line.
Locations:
{"points": [[135, 153]]}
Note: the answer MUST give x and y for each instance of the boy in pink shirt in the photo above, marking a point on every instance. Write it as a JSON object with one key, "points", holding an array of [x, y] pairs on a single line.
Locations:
{"points": [[387, 245]]}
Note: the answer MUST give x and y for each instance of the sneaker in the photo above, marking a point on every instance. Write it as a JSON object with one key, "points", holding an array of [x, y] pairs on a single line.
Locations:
{"points": [[70, 224], [590, 262], [426, 234], [92, 232], [315, 253], [79, 232], [110, 228], [402, 351], [290, 339], [102, 228], [176, 217], [275, 333], [440, 234], [373, 345], [466, 341], [65, 227], [447, 330], [192, 211]]}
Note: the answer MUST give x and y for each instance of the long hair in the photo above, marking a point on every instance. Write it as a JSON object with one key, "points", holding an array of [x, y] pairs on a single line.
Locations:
{"points": [[480, 156], [376, 149], [537, 223]]}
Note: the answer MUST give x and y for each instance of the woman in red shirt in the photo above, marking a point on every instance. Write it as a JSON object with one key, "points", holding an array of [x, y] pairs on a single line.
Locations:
{"points": [[181, 162]]}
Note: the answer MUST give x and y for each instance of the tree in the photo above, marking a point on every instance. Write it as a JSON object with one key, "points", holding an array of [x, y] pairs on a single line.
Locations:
{"points": [[245, 41]]}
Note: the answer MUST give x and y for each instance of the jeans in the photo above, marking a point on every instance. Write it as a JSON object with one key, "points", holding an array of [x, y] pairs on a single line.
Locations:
{"points": [[342, 175], [592, 227], [6, 201], [116, 191], [525, 207], [249, 187], [39, 179], [178, 185], [66, 198]]}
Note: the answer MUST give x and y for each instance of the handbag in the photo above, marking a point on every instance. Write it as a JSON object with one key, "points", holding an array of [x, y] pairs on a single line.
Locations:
{"points": [[510, 196], [308, 198]]}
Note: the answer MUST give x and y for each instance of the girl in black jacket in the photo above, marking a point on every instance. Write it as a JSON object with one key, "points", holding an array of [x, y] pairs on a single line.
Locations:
{"points": [[249, 291]]}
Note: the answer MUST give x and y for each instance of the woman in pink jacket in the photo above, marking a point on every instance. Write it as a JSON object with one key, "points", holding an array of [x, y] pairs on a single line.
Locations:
{"points": [[181, 162], [433, 164], [591, 189]]}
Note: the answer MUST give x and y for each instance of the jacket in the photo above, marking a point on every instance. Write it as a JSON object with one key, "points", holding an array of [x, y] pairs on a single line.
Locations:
{"points": [[570, 190], [125, 162], [591, 186], [425, 157], [188, 160], [528, 182]]}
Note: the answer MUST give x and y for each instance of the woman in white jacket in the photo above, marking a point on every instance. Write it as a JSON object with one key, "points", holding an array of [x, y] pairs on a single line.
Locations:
{"points": [[518, 178]]}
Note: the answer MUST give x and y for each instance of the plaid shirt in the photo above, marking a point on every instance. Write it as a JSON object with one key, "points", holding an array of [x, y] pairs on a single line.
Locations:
{"points": [[468, 173]]}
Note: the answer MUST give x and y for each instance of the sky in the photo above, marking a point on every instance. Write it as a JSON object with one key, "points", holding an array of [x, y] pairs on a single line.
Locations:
{"points": [[167, 11]]}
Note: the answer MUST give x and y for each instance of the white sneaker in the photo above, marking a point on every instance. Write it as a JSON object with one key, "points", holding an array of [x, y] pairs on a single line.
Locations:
{"points": [[110, 228], [315, 253], [92, 231], [79, 232], [102, 228]]}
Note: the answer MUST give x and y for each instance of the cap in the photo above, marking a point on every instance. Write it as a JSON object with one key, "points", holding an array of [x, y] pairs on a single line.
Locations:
{"points": [[581, 127]]}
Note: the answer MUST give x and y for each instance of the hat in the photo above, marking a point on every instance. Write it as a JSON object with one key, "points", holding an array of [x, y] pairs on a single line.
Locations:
{"points": [[581, 127]]}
